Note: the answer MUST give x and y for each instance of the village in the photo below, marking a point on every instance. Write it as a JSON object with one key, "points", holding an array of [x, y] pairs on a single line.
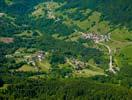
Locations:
{"points": [[96, 37], [78, 65], [99, 39], [28, 58], [38, 56]]}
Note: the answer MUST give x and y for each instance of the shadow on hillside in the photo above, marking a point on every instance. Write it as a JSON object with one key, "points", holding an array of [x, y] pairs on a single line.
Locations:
{"points": [[49, 26], [21, 7], [118, 12]]}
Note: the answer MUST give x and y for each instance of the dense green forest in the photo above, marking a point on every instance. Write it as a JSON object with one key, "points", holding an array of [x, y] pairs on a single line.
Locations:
{"points": [[73, 89], [65, 50]]}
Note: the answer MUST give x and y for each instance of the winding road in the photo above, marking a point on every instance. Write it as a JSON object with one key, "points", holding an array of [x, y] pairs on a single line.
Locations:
{"points": [[110, 58]]}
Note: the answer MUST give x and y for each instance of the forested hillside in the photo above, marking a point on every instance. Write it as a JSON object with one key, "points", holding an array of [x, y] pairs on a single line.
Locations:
{"points": [[74, 49]]}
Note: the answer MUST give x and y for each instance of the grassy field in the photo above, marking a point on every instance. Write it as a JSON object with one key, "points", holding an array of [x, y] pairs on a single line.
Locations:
{"points": [[27, 68], [122, 35], [127, 51], [44, 66], [87, 73]]}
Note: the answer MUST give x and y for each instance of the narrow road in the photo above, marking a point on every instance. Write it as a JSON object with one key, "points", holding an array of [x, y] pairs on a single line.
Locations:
{"points": [[110, 57]]}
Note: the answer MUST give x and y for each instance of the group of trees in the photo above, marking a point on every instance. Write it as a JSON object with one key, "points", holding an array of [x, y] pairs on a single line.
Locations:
{"points": [[123, 78], [1, 82], [70, 89]]}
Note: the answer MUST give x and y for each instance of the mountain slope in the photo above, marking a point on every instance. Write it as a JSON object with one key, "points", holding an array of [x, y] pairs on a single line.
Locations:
{"points": [[66, 39]]}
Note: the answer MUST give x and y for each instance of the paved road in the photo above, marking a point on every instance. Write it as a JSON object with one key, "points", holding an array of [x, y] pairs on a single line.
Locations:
{"points": [[110, 57]]}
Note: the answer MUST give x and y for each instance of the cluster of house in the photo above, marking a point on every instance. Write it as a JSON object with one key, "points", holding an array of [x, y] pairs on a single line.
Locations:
{"points": [[78, 64], [38, 56], [96, 38], [50, 13], [30, 59]]}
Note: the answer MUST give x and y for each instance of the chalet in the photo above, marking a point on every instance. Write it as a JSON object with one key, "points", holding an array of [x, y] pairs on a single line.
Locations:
{"points": [[40, 55], [2, 14]]}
